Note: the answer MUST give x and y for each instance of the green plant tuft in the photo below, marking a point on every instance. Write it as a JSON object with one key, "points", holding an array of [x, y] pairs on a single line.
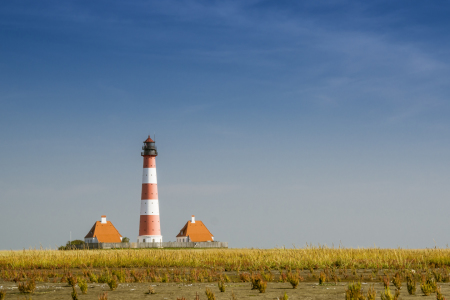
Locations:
{"points": [[83, 285], [74, 293], [262, 286], [221, 286], [293, 280], [371, 293], [386, 281], [411, 284], [428, 285], [209, 294], [103, 296], [93, 278], [354, 292], [397, 280], [112, 283], [151, 290], [72, 280], [387, 295], [27, 288], [322, 278], [439, 295], [284, 297]]}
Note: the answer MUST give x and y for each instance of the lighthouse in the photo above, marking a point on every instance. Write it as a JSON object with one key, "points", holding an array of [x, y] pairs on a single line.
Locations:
{"points": [[149, 226]]}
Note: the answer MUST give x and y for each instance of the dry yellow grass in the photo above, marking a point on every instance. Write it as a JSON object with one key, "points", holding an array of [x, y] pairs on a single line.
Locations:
{"points": [[227, 259]]}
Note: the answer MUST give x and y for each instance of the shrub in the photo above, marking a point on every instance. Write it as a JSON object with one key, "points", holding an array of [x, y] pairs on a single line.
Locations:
{"points": [[125, 240], [151, 290], [438, 276], [112, 283], [63, 278], [103, 296], [209, 294], [83, 285], [284, 297], [120, 275], [72, 280], [371, 293], [74, 293], [386, 281], [268, 276], [262, 286], [165, 278], [245, 277], [27, 288], [439, 295], [386, 295], [426, 288], [411, 284], [75, 242], [354, 292], [255, 282], [105, 277], [335, 278], [221, 286], [445, 276], [397, 280], [322, 278], [283, 277], [397, 294], [2, 294], [428, 285], [69, 245], [93, 278], [293, 280]]}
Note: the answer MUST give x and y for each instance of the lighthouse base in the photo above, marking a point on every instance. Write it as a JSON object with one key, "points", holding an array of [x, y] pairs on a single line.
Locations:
{"points": [[149, 239]]}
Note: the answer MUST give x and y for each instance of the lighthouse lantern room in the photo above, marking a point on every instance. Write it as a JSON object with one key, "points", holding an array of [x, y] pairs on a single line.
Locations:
{"points": [[149, 225]]}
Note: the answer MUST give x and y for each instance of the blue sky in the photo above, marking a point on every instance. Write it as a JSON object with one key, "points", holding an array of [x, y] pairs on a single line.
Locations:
{"points": [[277, 122]]}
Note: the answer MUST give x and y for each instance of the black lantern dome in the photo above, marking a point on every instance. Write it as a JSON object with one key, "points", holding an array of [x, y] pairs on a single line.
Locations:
{"points": [[149, 147]]}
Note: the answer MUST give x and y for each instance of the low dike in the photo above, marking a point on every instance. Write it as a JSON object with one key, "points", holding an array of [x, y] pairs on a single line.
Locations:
{"points": [[88, 246]]}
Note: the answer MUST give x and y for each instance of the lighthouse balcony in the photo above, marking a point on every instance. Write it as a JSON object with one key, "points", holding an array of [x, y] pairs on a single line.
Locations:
{"points": [[149, 152]]}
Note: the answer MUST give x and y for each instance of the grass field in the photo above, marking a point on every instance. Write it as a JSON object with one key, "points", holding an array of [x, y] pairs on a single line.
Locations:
{"points": [[48, 273], [228, 259]]}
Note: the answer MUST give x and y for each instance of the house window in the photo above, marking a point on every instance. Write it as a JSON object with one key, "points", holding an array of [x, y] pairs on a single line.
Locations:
{"points": [[143, 240]]}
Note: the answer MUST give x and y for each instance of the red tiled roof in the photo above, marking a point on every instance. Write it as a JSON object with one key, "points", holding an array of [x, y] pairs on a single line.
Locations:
{"points": [[105, 233], [197, 232], [149, 140]]}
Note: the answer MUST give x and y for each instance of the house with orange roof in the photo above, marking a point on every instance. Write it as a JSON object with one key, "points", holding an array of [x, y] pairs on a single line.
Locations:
{"points": [[195, 231], [103, 232]]}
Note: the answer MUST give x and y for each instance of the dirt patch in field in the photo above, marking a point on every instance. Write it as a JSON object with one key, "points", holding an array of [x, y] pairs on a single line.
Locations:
{"points": [[172, 291]]}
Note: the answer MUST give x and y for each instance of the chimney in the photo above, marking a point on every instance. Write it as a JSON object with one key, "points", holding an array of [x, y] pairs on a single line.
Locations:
{"points": [[193, 219], [103, 220]]}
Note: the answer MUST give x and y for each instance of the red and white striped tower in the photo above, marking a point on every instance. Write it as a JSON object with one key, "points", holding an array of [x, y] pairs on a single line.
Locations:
{"points": [[149, 226]]}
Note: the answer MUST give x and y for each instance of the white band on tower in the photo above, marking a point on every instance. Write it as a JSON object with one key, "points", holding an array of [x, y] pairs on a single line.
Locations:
{"points": [[149, 175], [150, 207]]}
